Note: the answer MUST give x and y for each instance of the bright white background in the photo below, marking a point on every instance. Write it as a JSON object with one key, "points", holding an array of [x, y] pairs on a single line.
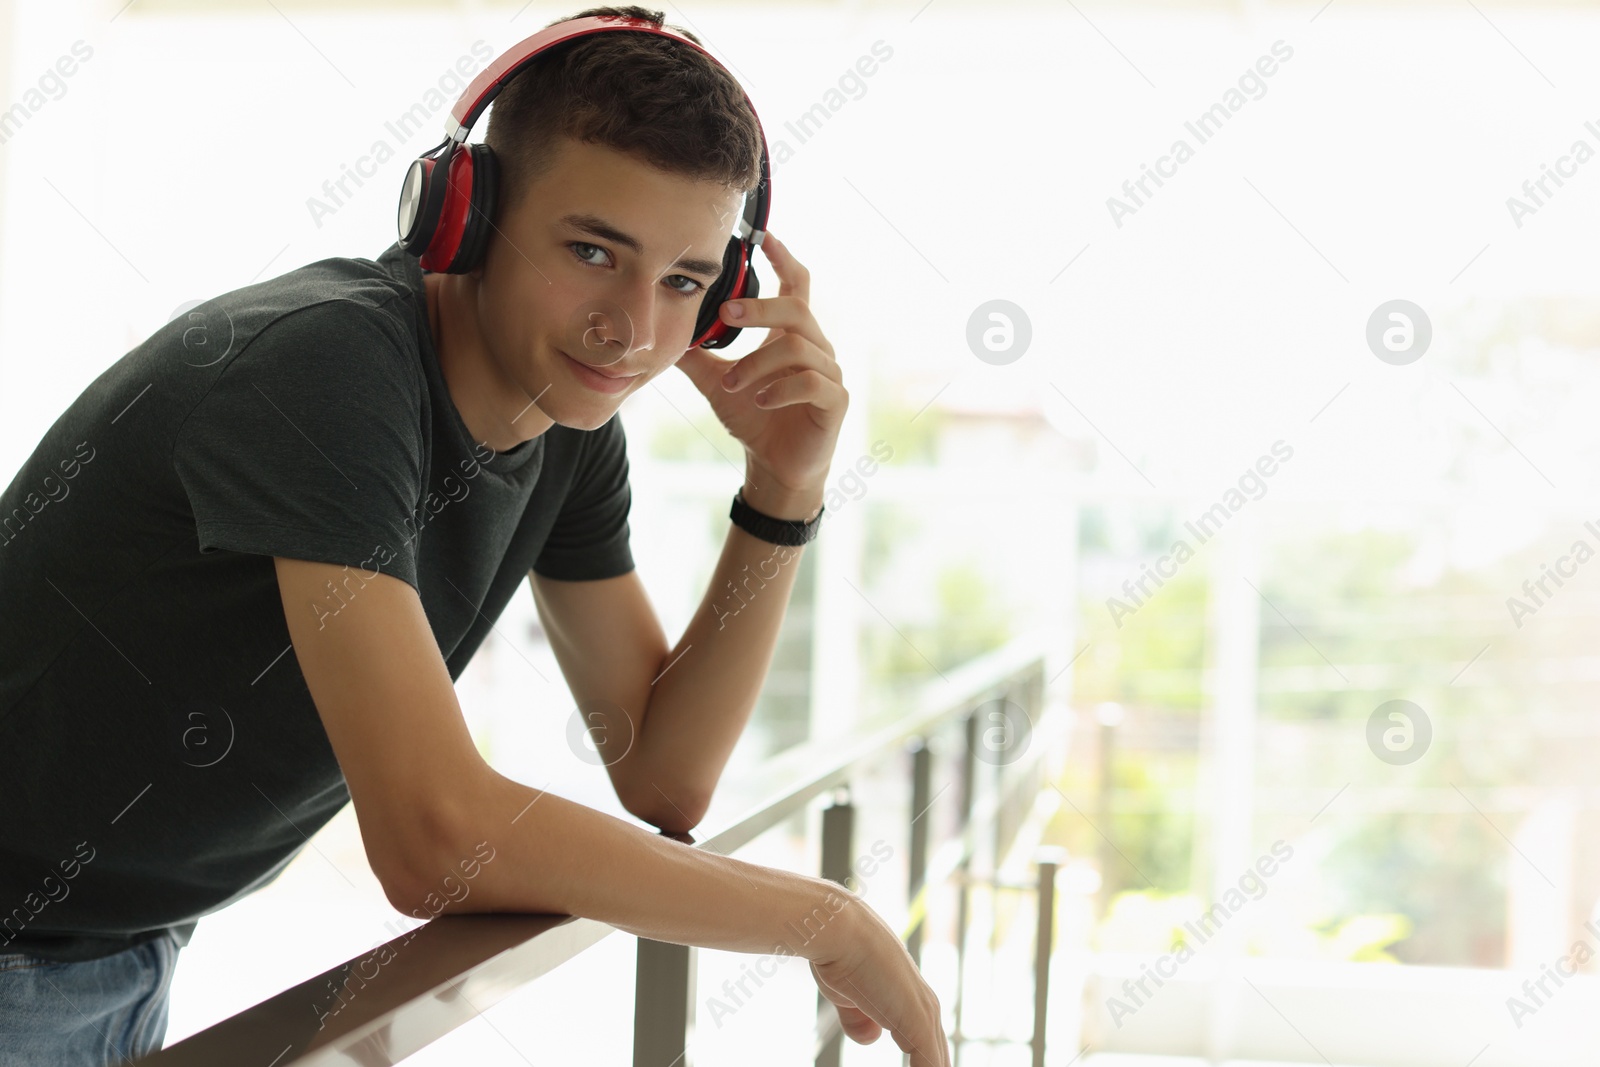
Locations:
{"points": [[1227, 313]]}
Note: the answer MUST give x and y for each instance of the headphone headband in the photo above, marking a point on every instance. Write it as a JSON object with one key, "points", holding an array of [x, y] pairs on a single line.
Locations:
{"points": [[487, 85], [449, 193]]}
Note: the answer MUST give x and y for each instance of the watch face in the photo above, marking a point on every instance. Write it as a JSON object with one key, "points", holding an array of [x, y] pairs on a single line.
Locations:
{"points": [[410, 200]]}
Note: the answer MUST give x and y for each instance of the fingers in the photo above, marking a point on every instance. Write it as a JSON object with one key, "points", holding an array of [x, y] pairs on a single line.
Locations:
{"points": [[792, 314], [919, 1031], [923, 1040], [858, 1025], [783, 355], [871, 972], [806, 387], [793, 278]]}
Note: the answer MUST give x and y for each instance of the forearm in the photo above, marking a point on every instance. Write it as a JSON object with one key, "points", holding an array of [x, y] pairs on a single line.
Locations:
{"points": [[552, 855], [701, 703]]}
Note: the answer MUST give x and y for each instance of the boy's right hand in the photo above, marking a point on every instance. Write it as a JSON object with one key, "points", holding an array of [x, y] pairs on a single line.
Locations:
{"points": [[863, 968]]}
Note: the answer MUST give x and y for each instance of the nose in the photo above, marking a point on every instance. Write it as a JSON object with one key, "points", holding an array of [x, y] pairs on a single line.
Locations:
{"points": [[619, 324], [638, 298]]}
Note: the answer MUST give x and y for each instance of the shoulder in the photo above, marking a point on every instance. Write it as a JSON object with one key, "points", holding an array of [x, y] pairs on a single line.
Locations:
{"points": [[336, 324], [336, 296], [337, 354], [329, 323]]}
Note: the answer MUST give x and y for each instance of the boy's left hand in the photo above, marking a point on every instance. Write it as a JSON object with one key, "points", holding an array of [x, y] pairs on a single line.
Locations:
{"points": [[790, 433]]}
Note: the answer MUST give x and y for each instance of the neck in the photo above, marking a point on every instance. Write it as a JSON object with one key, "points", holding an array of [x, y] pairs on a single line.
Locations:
{"points": [[496, 411]]}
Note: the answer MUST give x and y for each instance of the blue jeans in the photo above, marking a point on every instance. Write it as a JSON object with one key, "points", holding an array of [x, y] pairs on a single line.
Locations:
{"points": [[96, 1012]]}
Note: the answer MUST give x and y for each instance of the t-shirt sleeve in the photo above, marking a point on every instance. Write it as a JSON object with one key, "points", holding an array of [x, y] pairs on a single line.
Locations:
{"points": [[590, 537], [309, 445]]}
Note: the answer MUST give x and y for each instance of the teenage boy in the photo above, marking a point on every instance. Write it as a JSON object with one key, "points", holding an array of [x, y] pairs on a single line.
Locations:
{"points": [[359, 462]]}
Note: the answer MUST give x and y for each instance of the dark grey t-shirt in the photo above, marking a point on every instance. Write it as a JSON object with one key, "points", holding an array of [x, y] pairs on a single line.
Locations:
{"points": [[160, 754]]}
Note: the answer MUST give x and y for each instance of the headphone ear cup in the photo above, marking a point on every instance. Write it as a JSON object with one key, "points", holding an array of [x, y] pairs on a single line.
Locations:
{"points": [[456, 175], [480, 209], [422, 200], [734, 282], [752, 284]]}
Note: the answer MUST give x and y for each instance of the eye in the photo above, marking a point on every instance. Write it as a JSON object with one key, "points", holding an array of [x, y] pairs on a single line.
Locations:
{"points": [[577, 250], [695, 288], [583, 250]]}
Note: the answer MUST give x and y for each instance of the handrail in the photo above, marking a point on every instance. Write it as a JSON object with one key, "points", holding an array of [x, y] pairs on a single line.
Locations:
{"points": [[805, 771], [418, 987]]}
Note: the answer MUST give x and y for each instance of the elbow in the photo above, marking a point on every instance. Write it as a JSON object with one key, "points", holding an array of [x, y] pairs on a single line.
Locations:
{"points": [[674, 809], [427, 867], [403, 893]]}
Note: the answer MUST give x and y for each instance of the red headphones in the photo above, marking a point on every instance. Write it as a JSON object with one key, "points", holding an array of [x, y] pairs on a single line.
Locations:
{"points": [[446, 223]]}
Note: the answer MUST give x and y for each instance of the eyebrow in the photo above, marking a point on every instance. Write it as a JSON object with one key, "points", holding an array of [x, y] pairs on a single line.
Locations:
{"points": [[595, 226]]}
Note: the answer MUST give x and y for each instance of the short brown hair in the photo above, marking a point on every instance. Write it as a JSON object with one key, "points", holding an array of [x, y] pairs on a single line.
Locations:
{"points": [[650, 96]]}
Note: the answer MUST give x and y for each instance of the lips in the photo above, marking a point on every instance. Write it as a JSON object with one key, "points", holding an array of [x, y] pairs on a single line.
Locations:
{"points": [[602, 373], [599, 379]]}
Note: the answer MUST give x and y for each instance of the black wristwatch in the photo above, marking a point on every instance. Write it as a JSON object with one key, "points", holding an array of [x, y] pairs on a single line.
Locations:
{"points": [[777, 531]]}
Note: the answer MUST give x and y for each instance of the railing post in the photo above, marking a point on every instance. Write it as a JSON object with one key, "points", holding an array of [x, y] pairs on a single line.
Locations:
{"points": [[838, 828], [1049, 859], [969, 766], [1007, 815], [921, 788], [663, 1005]]}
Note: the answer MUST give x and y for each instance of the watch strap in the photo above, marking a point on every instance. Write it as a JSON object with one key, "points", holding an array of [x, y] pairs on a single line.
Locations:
{"points": [[767, 528]]}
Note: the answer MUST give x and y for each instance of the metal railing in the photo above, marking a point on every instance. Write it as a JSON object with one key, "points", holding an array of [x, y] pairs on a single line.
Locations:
{"points": [[422, 985]]}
